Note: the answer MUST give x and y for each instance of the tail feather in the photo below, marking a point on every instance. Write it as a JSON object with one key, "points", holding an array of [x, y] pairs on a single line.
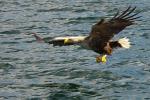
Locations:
{"points": [[123, 42]]}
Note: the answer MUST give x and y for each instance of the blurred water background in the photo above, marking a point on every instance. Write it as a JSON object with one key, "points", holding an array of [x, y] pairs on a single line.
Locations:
{"points": [[38, 71]]}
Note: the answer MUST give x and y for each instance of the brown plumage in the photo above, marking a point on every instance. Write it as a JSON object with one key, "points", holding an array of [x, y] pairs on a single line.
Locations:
{"points": [[99, 39], [103, 31]]}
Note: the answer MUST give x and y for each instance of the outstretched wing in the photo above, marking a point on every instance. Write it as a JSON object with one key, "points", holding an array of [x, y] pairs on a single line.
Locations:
{"points": [[61, 41], [105, 30]]}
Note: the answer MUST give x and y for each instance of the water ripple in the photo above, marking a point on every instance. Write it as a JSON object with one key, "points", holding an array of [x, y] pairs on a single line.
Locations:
{"points": [[31, 70]]}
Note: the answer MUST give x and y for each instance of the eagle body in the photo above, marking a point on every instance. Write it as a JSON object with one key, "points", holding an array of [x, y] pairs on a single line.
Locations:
{"points": [[99, 39]]}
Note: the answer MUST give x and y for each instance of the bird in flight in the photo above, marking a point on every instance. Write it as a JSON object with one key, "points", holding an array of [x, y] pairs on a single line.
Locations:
{"points": [[99, 39]]}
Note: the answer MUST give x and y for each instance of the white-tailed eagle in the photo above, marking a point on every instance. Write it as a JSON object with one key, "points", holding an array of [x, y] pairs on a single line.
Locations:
{"points": [[99, 39]]}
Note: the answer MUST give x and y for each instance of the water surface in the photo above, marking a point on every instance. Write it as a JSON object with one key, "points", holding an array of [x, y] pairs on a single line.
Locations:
{"points": [[31, 70]]}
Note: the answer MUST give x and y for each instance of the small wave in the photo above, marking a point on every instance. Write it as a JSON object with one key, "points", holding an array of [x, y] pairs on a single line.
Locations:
{"points": [[54, 9], [10, 32], [6, 66]]}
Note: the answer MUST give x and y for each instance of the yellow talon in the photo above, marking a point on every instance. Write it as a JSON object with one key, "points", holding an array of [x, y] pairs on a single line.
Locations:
{"points": [[104, 59], [101, 59]]}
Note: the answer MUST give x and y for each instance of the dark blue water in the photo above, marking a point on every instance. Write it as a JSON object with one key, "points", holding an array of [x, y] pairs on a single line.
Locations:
{"points": [[38, 71]]}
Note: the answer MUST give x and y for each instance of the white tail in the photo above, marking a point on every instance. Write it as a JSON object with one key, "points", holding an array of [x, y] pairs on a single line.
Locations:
{"points": [[124, 42]]}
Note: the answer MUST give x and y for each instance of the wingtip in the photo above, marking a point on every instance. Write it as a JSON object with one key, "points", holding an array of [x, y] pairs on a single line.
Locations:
{"points": [[126, 14], [39, 39]]}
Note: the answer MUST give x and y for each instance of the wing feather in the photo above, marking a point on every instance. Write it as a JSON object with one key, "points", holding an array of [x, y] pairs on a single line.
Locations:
{"points": [[124, 12], [105, 30], [128, 12]]}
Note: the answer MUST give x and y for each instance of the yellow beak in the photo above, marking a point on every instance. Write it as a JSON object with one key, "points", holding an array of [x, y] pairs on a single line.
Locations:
{"points": [[102, 59]]}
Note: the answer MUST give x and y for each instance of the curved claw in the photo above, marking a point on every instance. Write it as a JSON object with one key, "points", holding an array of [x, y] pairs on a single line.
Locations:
{"points": [[102, 59]]}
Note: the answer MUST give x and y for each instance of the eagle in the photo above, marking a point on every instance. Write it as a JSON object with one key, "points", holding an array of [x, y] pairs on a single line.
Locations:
{"points": [[100, 37]]}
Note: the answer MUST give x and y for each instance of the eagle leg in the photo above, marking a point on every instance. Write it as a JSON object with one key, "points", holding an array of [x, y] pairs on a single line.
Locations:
{"points": [[102, 59]]}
